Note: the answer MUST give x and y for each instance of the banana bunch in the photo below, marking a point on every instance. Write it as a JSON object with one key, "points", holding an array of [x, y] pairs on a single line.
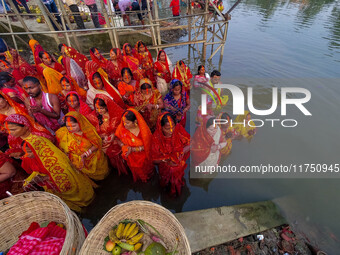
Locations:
{"points": [[127, 236]]}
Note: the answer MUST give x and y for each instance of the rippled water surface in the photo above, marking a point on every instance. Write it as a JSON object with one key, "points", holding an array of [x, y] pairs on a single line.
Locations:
{"points": [[270, 43]]}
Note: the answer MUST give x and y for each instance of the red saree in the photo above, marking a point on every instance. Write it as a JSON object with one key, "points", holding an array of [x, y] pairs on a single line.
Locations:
{"points": [[162, 68], [134, 64], [115, 70], [183, 76], [113, 92], [76, 56], [170, 148], [146, 62], [106, 130], [139, 162]]}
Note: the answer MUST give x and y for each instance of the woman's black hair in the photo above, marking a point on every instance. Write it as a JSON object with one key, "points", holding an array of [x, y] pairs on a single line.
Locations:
{"points": [[177, 83], [114, 50], [199, 68], [64, 78], [165, 120], [225, 116], [41, 53], [20, 125], [210, 122], [159, 53], [129, 115], [140, 43], [101, 103], [96, 75], [60, 46], [128, 45], [2, 97], [72, 95], [181, 62], [128, 70], [93, 49], [72, 119], [145, 86]]}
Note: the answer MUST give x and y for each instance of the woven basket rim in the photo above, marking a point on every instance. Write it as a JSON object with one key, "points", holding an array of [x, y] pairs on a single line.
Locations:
{"points": [[34, 197], [132, 203]]}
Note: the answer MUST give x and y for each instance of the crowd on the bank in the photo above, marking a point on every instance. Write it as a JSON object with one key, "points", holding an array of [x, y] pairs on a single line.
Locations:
{"points": [[66, 120]]}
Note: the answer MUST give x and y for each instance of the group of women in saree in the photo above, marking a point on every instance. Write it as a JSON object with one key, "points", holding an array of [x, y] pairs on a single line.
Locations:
{"points": [[127, 111]]}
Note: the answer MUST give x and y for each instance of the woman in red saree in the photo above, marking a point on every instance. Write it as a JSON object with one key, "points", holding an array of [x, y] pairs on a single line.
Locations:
{"points": [[132, 62], [135, 138], [75, 104], [148, 102], [118, 64], [162, 69], [105, 119], [170, 149], [145, 60], [127, 86], [68, 51], [11, 88], [100, 83], [182, 73], [68, 85]]}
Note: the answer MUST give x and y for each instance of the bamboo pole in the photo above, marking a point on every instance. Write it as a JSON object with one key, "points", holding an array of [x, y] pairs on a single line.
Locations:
{"points": [[63, 22], [152, 30], [107, 23], [224, 37], [189, 20], [8, 29], [20, 18], [48, 21], [10, 25], [114, 30], [65, 17], [213, 38], [158, 32], [205, 34]]}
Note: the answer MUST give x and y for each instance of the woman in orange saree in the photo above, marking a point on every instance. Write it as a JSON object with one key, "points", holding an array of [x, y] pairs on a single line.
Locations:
{"points": [[145, 60], [68, 85], [127, 87], [148, 102], [170, 150], [182, 73], [68, 51], [105, 119], [80, 141], [50, 167], [135, 138], [162, 69], [132, 62], [36, 48], [100, 84]]}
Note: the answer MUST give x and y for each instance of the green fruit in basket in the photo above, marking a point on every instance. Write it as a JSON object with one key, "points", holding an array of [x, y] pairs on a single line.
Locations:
{"points": [[117, 250], [127, 246], [109, 246], [155, 249]]}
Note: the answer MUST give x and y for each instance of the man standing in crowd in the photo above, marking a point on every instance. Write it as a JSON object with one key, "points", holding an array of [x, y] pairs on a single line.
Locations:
{"points": [[73, 5], [94, 12], [52, 8]]}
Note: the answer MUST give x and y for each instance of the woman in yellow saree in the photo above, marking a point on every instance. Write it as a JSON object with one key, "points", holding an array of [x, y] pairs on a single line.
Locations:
{"points": [[80, 141], [245, 126], [50, 167]]}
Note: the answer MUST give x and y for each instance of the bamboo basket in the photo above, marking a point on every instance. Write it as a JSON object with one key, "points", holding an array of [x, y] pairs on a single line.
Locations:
{"points": [[158, 216], [19, 211]]}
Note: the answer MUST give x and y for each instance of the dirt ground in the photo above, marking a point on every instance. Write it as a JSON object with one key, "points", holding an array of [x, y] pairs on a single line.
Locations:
{"points": [[276, 241]]}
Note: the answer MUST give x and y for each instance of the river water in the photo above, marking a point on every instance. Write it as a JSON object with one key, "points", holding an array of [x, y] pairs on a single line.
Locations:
{"points": [[270, 43]]}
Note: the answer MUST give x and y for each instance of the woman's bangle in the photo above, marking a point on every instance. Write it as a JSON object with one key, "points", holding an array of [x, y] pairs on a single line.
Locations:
{"points": [[88, 152]]}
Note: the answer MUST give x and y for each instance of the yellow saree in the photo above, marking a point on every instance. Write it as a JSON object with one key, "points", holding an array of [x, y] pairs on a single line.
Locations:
{"points": [[74, 145], [73, 187]]}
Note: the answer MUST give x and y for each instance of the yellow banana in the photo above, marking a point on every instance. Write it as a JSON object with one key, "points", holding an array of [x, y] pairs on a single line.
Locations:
{"points": [[135, 239], [132, 227], [113, 237], [133, 233], [127, 226], [120, 229], [138, 246]]}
